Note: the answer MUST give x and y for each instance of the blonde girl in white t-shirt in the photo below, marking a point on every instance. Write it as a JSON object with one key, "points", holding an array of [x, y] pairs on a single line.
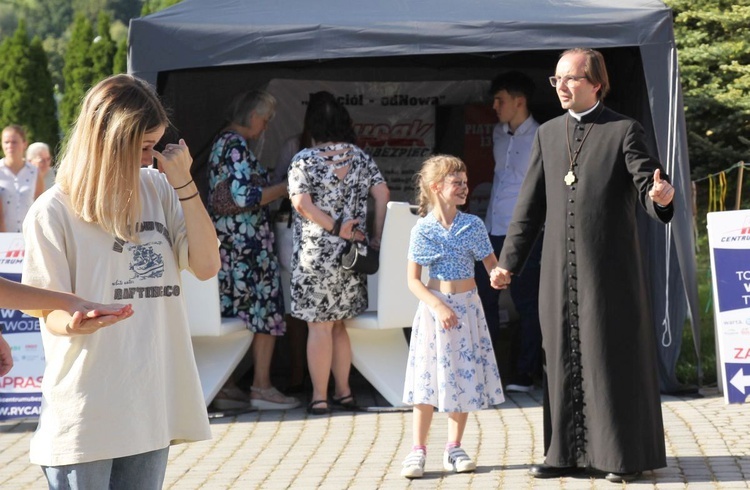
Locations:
{"points": [[112, 230]]}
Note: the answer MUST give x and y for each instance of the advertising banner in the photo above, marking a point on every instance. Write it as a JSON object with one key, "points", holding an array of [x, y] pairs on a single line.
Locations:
{"points": [[20, 389], [395, 122], [479, 123], [729, 243]]}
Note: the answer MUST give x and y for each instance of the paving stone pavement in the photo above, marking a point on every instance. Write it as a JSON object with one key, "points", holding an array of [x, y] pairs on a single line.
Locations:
{"points": [[708, 447]]}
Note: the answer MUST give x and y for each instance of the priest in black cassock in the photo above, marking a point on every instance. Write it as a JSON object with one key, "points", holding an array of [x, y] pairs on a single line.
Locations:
{"points": [[589, 170]]}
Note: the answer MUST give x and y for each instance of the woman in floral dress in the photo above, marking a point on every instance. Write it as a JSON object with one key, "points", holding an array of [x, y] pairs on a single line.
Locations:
{"points": [[329, 184], [249, 280]]}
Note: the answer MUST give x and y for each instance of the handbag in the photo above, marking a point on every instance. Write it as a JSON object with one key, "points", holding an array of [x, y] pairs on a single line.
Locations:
{"points": [[360, 257], [222, 202]]}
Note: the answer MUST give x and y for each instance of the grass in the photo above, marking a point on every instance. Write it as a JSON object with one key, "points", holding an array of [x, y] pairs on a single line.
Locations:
{"points": [[686, 365], [686, 370]]}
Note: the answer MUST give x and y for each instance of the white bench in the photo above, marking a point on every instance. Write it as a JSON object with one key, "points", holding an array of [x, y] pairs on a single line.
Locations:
{"points": [[219, 343], [379, 348]]}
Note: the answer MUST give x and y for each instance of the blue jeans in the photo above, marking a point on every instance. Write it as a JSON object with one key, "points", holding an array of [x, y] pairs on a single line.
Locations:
{"points": [[524, 290], [143, 471]]}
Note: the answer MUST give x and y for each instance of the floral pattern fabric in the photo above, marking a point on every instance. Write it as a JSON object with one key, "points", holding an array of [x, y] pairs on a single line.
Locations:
{"points": [[449, 253], [452, 369], [321, 290], [249, 278]]}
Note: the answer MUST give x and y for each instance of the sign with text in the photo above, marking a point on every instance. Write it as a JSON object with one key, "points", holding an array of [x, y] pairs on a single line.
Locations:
{"points": [[479, 123], [20, 389], [394, 121], [729, 243]]}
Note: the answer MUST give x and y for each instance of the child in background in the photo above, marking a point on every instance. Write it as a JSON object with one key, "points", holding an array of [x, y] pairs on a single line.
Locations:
{"points": [[451, 362]]}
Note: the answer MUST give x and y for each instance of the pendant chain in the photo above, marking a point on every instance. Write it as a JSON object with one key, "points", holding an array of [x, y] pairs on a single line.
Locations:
{"points": [[570, 177]]}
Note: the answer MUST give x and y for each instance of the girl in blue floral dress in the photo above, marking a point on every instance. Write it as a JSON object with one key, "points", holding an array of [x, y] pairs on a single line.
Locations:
{"points": [[249, 279], [451, 362]]}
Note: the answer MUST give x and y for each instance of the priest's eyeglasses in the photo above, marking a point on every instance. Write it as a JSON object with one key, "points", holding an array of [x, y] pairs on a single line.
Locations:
{"points": [[568, 80]]}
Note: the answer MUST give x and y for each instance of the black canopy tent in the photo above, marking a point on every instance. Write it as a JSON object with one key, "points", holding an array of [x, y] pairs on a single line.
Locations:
{"points": [[199, 54]]}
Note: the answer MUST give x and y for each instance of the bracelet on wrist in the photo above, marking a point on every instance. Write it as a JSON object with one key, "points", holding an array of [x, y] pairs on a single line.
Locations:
{"points": [[337, 226], [189, 197], [183, 186]]}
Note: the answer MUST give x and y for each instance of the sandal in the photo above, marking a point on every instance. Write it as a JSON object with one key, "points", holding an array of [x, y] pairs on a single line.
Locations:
{"points": [[271, 399], [313, 410], [345, 402]]}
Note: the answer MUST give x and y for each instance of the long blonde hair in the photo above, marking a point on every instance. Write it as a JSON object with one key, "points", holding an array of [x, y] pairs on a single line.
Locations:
{"points": [[434, 170], [100, 164]]}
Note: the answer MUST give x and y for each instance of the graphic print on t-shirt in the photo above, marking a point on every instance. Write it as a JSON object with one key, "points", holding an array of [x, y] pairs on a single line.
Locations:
{"points": [[146, 263]]}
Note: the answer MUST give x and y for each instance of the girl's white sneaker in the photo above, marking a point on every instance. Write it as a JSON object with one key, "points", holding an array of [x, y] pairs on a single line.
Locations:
{"points": [[413, 466], [456, 459]]}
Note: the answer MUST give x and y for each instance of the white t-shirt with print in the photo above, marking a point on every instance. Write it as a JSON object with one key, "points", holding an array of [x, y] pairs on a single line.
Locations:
{"points": [[132, 387]]}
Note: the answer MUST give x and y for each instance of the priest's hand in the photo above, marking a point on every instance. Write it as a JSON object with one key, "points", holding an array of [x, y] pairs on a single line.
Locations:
{"points": [[499, 278], [662, 191]]}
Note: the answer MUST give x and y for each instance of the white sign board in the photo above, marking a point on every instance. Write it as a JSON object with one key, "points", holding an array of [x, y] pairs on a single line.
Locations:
{"points": [[729, 244], [20, 389]]}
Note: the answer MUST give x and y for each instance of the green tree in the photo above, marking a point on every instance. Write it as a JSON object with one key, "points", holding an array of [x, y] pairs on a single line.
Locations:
{"points": [[43, 111], [19, 90], [8, 19], [124, 10], [151, 6], [46, 18], [120, 62], [713, 41], [78, 70], [55, 48], [102, 50], [89, 8]]}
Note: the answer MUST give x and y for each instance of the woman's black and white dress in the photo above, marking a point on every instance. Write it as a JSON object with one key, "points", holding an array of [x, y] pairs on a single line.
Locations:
{"points": [[321, 290]]}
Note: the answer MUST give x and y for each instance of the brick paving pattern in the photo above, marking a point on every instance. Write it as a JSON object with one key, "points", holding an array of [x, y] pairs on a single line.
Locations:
{"points": [[708, 447]]}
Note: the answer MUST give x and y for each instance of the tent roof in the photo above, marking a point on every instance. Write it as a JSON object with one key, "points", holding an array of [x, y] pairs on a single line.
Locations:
{"points": [[195, 33]]}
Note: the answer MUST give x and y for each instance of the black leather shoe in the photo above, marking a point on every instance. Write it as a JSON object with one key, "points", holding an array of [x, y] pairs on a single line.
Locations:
{"points": [[622, 477], [546, 471]]}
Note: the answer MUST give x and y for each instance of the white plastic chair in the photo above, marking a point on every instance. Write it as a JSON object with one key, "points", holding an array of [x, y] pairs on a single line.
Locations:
{"points": [[219, 344], [379, 348]]}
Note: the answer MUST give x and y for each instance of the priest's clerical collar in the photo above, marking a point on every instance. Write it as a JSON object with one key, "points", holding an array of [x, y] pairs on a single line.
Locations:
{"points": [[578, 115]]}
